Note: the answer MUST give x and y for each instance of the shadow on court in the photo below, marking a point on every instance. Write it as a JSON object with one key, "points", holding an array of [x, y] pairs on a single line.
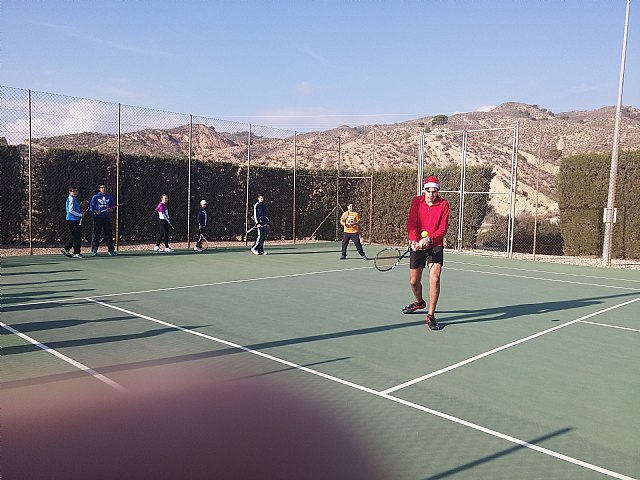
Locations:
{"points": [[495, 456], [19, 349], [507, 312], [181, 358]]}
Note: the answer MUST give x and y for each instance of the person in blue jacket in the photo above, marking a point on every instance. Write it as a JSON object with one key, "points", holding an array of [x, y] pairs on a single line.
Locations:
{"points": [[73, 217], [203, 217], [101, 206]]}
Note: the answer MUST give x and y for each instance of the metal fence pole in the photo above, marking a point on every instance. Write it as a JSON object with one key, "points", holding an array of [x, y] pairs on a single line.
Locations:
{"points": [[463, 174], [295, 170], [338, 212], [118, 179], [246, 203], [189, 183], [30, 184], [373, 169], [535, 212]]}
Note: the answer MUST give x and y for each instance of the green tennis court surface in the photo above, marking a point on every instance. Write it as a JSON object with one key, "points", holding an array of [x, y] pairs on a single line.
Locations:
{"points": [[535, 374]]}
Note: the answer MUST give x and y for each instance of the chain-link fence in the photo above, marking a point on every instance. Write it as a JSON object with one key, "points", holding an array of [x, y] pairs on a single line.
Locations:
{"points": [[308, 178]]}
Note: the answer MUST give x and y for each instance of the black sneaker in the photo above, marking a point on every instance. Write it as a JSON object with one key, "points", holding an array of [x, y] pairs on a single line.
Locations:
{"points": [[431, 322], [343, 257], [65, 252], [412, 307]]}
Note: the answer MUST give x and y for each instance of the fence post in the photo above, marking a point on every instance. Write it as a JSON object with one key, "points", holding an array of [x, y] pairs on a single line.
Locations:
{"points": [[30, 185], [295, 170]]}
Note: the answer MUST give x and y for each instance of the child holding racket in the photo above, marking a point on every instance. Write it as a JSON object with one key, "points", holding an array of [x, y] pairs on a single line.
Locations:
{"points": [[74, 215], [350, 220], [428, 213], [101, 206], [163, 223], [203, 216]]}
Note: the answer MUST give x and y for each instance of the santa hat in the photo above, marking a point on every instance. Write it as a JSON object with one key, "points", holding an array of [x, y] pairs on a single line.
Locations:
{"points": [[431, 182]]}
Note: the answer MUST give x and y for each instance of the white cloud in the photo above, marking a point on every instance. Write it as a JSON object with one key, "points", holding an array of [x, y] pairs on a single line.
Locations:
{"points": [[63, 116], [304, 88]]}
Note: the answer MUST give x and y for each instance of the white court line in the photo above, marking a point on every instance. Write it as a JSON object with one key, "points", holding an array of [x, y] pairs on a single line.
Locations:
{"points": [[69, 360], [384, 395], [611, 326], [503, 347], [198, 285], [545, 271], [544, 279]]}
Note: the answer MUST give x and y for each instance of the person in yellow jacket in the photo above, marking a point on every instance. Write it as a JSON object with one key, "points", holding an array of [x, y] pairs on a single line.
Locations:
{"points": [[350, 220]]}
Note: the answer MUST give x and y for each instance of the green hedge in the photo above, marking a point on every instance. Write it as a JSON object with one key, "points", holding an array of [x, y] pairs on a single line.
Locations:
{"points": [[583, 185], [12, 194], [144, 179]]}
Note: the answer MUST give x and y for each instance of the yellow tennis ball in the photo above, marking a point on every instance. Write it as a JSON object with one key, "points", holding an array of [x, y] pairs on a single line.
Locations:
{"points": [[424, 234]]}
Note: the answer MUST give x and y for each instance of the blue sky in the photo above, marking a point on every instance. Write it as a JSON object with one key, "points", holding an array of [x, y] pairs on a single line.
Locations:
{"points": [[312, 65]]}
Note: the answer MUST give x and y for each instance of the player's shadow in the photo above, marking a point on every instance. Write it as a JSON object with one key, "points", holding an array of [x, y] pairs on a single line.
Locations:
{"points": [[19, 349], [495, 456], [507, 312]]}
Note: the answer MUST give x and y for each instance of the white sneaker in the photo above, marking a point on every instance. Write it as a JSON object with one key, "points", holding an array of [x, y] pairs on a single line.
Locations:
{"points": [[156, 249], [255, 252], [197, 249], [168, 249], [263, 253]]}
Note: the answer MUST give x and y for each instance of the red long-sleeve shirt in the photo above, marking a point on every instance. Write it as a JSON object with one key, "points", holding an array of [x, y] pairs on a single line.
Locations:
{"points": [[434, 219]]}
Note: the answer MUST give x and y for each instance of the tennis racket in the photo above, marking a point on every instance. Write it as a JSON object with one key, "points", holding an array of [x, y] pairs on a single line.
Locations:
{"points": [[264, 221], [84, 206], [112, 207], [202, 243], [389, 258]]}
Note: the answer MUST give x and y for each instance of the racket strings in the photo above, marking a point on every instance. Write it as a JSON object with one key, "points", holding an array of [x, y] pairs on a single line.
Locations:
{"points": [[387, 259]]}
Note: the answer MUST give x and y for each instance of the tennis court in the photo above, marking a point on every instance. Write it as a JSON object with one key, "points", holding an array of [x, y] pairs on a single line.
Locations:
{"points": [[534, 375]]}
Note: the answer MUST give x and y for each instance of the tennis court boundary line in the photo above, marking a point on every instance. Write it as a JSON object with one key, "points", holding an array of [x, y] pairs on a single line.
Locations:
{"points": [[502, 267], [557, 280], [611, 326], [88, 370], [380, 394], [504, 347]]}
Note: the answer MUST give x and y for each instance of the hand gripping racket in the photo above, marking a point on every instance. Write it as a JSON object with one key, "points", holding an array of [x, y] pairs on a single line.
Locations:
{"points": [[391, 257], [84, 206]]}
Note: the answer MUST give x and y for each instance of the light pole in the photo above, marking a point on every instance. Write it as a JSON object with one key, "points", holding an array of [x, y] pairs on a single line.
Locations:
{"points": [[608, 214]]}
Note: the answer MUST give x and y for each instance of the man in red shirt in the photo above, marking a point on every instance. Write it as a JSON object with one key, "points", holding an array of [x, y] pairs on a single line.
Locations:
{"points": [[427, 226]]}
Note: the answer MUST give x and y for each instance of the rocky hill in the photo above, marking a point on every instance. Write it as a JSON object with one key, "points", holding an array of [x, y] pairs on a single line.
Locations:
{"points": [[397, 145]]}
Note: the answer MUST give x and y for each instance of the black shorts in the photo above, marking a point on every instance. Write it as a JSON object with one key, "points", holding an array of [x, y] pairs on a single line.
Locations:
{"points": [[422, 258]]}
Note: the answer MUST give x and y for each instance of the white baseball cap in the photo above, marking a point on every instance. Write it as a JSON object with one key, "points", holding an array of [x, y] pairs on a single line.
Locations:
{"points": [[203, 202]]}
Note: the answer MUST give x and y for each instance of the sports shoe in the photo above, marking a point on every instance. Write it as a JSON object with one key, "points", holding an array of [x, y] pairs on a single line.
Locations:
{"points": [[94, 253], [254, 251], [156, 248], [412, 307], [197, 249], [65, 252], [343, 257], [431, 322], [113, 253], [168, 249], [364, 257], [77, 255]]}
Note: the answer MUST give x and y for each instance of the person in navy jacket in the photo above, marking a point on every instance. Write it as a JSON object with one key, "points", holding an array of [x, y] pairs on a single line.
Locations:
{"points": [[101, 206], [261, 220]]}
